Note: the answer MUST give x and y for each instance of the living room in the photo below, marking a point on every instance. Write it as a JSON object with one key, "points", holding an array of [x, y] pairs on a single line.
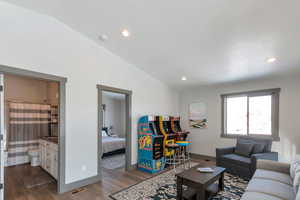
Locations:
{"points": [[289, 143], [182, 64]]}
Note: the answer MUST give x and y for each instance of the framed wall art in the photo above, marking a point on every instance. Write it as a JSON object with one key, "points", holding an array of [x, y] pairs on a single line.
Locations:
{"points": [[198, 115]]}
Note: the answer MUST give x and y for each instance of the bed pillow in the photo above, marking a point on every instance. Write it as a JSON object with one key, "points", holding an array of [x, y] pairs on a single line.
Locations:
{"points": [[244, 149], [295, 162]]}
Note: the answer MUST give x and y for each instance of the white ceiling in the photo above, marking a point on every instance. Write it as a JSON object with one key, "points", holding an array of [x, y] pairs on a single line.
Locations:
{"points": [[208, 41]]}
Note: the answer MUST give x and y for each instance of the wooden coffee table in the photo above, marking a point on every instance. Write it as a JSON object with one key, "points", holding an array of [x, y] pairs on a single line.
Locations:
{"points": [[199, 182]]}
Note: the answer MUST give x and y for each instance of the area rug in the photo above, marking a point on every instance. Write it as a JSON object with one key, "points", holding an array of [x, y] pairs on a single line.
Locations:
{"points": [[114, 161], [163, 187]]}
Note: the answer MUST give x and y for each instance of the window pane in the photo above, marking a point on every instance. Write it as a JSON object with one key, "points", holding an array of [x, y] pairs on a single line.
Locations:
{"points": [[260, 115], [237, 115]]}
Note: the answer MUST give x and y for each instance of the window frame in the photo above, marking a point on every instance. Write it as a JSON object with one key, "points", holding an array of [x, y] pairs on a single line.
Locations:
{"points": [[275, 95]]}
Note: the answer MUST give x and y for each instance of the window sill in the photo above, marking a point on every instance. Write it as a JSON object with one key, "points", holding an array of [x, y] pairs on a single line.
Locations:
{"points": [[232, 136]]}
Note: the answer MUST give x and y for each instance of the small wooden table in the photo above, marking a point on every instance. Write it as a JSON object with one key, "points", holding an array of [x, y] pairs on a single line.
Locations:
{"points": [[201, 183]]}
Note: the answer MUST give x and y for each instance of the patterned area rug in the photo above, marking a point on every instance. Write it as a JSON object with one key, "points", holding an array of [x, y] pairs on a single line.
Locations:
{"points": [[163, 187]]}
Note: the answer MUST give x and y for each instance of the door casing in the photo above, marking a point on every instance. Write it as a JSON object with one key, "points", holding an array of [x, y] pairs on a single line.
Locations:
{"points": [[2, 136], [128, 103], [61, 186]]}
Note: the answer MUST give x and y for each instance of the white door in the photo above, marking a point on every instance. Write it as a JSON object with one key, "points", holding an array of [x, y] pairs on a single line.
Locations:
{"points": [[2, 136]]}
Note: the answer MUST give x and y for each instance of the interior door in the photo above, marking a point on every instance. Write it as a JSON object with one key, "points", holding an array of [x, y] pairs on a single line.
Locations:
{"points": [[2, 136]]}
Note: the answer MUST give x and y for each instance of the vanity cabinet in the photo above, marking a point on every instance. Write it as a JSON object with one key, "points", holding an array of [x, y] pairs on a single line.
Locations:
{"points": [[49, 157]]}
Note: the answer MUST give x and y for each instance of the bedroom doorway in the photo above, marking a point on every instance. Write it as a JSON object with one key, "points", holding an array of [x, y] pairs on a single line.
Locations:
{"points": [[114, 125]]}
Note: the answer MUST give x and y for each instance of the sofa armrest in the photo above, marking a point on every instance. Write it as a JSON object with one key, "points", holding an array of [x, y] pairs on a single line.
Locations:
{"points": [[274, 166], [264, 156], [223, 151]]}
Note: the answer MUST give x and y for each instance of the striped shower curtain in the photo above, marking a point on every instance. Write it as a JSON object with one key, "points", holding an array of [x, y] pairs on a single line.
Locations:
{"points": [[27, 124]]}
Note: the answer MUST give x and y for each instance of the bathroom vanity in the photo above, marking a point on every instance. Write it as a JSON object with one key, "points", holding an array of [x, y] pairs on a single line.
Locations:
{"points": [[49, 155]]}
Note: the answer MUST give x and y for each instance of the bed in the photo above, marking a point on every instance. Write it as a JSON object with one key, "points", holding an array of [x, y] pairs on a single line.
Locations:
{"points": [[112, 145]]}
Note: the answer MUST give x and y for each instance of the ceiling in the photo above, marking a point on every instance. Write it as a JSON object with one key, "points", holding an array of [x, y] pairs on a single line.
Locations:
{"points": [[208, 41]]}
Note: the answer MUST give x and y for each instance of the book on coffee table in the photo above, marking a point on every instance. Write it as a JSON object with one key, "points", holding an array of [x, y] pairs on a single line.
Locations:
{"points": [[205, 169]]}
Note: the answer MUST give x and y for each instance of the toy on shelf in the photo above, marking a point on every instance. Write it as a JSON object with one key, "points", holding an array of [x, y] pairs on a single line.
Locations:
{"points": [[151, 150], [180, 135]]}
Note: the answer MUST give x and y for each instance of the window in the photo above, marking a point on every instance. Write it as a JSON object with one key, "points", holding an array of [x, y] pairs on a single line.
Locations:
{"points": [[254, 113]]}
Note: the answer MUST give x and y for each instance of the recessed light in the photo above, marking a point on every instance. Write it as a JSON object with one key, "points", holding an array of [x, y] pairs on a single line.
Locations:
{"points": [[272, 59], [183, 78], [125, 33]]}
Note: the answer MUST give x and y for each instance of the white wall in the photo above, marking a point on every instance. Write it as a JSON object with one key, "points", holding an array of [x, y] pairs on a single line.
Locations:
{"points": [[205, 141], [40, 43], [114, 114]]}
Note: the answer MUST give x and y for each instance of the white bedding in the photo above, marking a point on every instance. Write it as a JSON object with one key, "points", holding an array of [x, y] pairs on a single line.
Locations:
{"points": [[110, 144]]}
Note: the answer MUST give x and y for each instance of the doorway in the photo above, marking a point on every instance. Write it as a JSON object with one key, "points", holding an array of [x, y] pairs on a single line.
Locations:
{"points": [[31, 134], [29, 118], [114, 128]]}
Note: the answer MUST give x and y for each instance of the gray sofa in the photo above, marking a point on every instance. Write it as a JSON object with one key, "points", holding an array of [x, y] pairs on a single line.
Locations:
{"points": [[271, 181], [245, 165]]}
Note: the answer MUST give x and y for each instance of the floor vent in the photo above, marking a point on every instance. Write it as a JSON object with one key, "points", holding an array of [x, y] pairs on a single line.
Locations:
{"points": [[78, 190]]}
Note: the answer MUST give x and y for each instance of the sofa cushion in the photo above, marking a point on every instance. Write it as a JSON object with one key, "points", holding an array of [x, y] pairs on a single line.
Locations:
{"points": [[237, 159], [294, 164], [244, 149], [258, 148], [298, 195], [271, 188], [258, 196], [266, 142], [272, 175]]}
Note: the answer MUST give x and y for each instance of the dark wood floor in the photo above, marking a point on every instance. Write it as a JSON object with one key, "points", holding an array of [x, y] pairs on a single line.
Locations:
{"points": [[113, 181]]}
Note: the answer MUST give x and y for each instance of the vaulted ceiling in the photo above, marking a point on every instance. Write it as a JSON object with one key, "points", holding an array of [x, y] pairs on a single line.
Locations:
{"points": [[208, 41]]}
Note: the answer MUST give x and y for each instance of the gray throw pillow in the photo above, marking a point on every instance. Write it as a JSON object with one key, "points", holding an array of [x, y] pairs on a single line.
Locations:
{"points": [[258, 148], [294, 164], [296, 182], [244, 149]]}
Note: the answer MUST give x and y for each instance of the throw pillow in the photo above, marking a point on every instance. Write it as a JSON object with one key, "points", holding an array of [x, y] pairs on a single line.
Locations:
{"points": [[295, 162], [244, 149], [296, 183], [258, 148]]}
